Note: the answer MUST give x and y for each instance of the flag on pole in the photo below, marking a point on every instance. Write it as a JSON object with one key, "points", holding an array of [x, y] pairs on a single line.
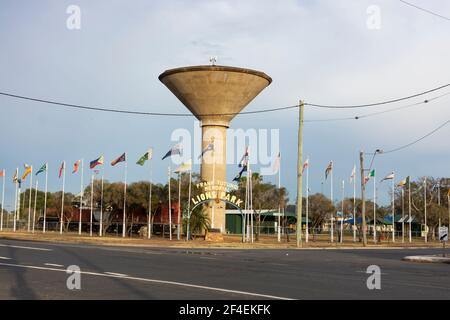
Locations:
{"points": [[353, 175], [122, 158], [43, 168], [61, 168], [2, 173], [276, 164], [28, 170], [389, 177], [244, 159], [185, 166], [328, 169], [176, 149], [239, 175], [209, 147], [305, 165], [16, 176], [371, 174], [147, 156], [76, 165], [96, 162]]}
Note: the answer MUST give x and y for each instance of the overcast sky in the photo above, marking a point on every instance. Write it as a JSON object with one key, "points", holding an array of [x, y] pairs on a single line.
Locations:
{"points": [[319, 51]]}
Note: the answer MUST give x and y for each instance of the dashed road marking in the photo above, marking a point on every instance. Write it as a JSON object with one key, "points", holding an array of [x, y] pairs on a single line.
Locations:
{"points": [[53, 265], [28, 248], [5, 258], [117, 274]]}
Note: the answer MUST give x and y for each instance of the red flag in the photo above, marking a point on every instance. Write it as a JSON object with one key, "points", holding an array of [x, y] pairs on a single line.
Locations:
{"points": [[76, 165], [2, 173], [122, 158], [63, 164]]}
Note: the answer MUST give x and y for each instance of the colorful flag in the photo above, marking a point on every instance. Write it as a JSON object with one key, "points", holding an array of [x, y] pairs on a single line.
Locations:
{"points": [[42, 169], [19, 182], [402, 183], [276, 164], [122, 158], [305, 165], [176, 149], [239, 175], [209, 147], [147, 156], [328, 169], [16, 176], [186, 166], [76, 165], [96, 162], [63, 165], [353, 175], [244, 159], [389, 177], [371, 174], [28, 170], [2, 173]]}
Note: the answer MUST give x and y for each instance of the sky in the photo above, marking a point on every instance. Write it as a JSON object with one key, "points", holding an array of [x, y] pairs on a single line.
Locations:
{"points": [[325, 52]]}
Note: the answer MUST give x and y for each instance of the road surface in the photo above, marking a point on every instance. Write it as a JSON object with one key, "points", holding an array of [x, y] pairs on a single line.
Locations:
{"points": [[37, 270]]}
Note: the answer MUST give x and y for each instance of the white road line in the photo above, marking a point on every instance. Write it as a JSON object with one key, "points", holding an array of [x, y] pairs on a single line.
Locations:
{"points": [[53, 265], [28, 248], [174, 283], [117, 274], [5, 258]]}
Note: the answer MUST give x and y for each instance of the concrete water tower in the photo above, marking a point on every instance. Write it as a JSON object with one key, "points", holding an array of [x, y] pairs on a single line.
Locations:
{"points": [[215, 95]]}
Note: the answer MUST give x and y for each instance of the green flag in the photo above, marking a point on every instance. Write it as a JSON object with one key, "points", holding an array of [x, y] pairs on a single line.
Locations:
{"points": [[145, 157], [42, 169], [372, 173]]}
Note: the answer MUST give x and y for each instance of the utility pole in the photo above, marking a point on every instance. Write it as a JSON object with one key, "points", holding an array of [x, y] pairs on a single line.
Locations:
{"points": [[299, 175], [363, 190]]}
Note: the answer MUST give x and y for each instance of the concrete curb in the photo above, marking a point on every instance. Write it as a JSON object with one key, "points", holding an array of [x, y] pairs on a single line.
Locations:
{"points": [[427, 259]]}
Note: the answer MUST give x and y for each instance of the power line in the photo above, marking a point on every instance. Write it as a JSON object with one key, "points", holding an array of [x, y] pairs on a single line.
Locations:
{"points": [[123, 111], [376, 103], [425, 10]]}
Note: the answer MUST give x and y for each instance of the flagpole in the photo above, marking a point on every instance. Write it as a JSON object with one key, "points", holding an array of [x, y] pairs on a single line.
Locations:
{"points": [[214, 185], [342, 216], [124, 200], [374, 209], [189, 206], [179, 205], [34, 210], [3, 199], [425, 207], [279, 203], [331, 195], [45, 198], [251, 205], [409, 208], [101, 203], [29, 200], [15, 204], [18, 202], [354, 205], [149, 227], [92, 204], [81, 197], [307, 203], [393, 207], [62, 199], [170, 208], [403, 214]]}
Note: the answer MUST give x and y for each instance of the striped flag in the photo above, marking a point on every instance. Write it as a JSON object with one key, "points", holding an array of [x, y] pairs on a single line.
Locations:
{"points": [[209, 147], [61, 168], [97, 162], [16, 176], [239, 175], [43, 168], [402, 183], [389, 177], [244, 159], [122, 158], [147, 156], [305, 165], [176, 149], [328, 169], [28, 170], [76, 165]]}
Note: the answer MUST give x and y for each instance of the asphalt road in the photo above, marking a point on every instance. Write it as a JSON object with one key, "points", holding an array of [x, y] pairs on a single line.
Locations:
{"points": [[36, 270]]}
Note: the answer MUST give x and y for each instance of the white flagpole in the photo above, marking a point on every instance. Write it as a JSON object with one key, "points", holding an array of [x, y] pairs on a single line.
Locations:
{"points": [[179, 206], [425, 207], [149, 227], [393, 207], [214, 186], [307, 202], [189, 206], [3, 200], [251, 205], [374, 208], [62, 199], [170, 208], [342, 216], [92, 205], [15, 206], [331, 195], [29, 200], [354, 206], [409, 209], [101, 203], [34, 210], [124, 200], [45, 198], [81, 197], [279, 203], [403, 214]]}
